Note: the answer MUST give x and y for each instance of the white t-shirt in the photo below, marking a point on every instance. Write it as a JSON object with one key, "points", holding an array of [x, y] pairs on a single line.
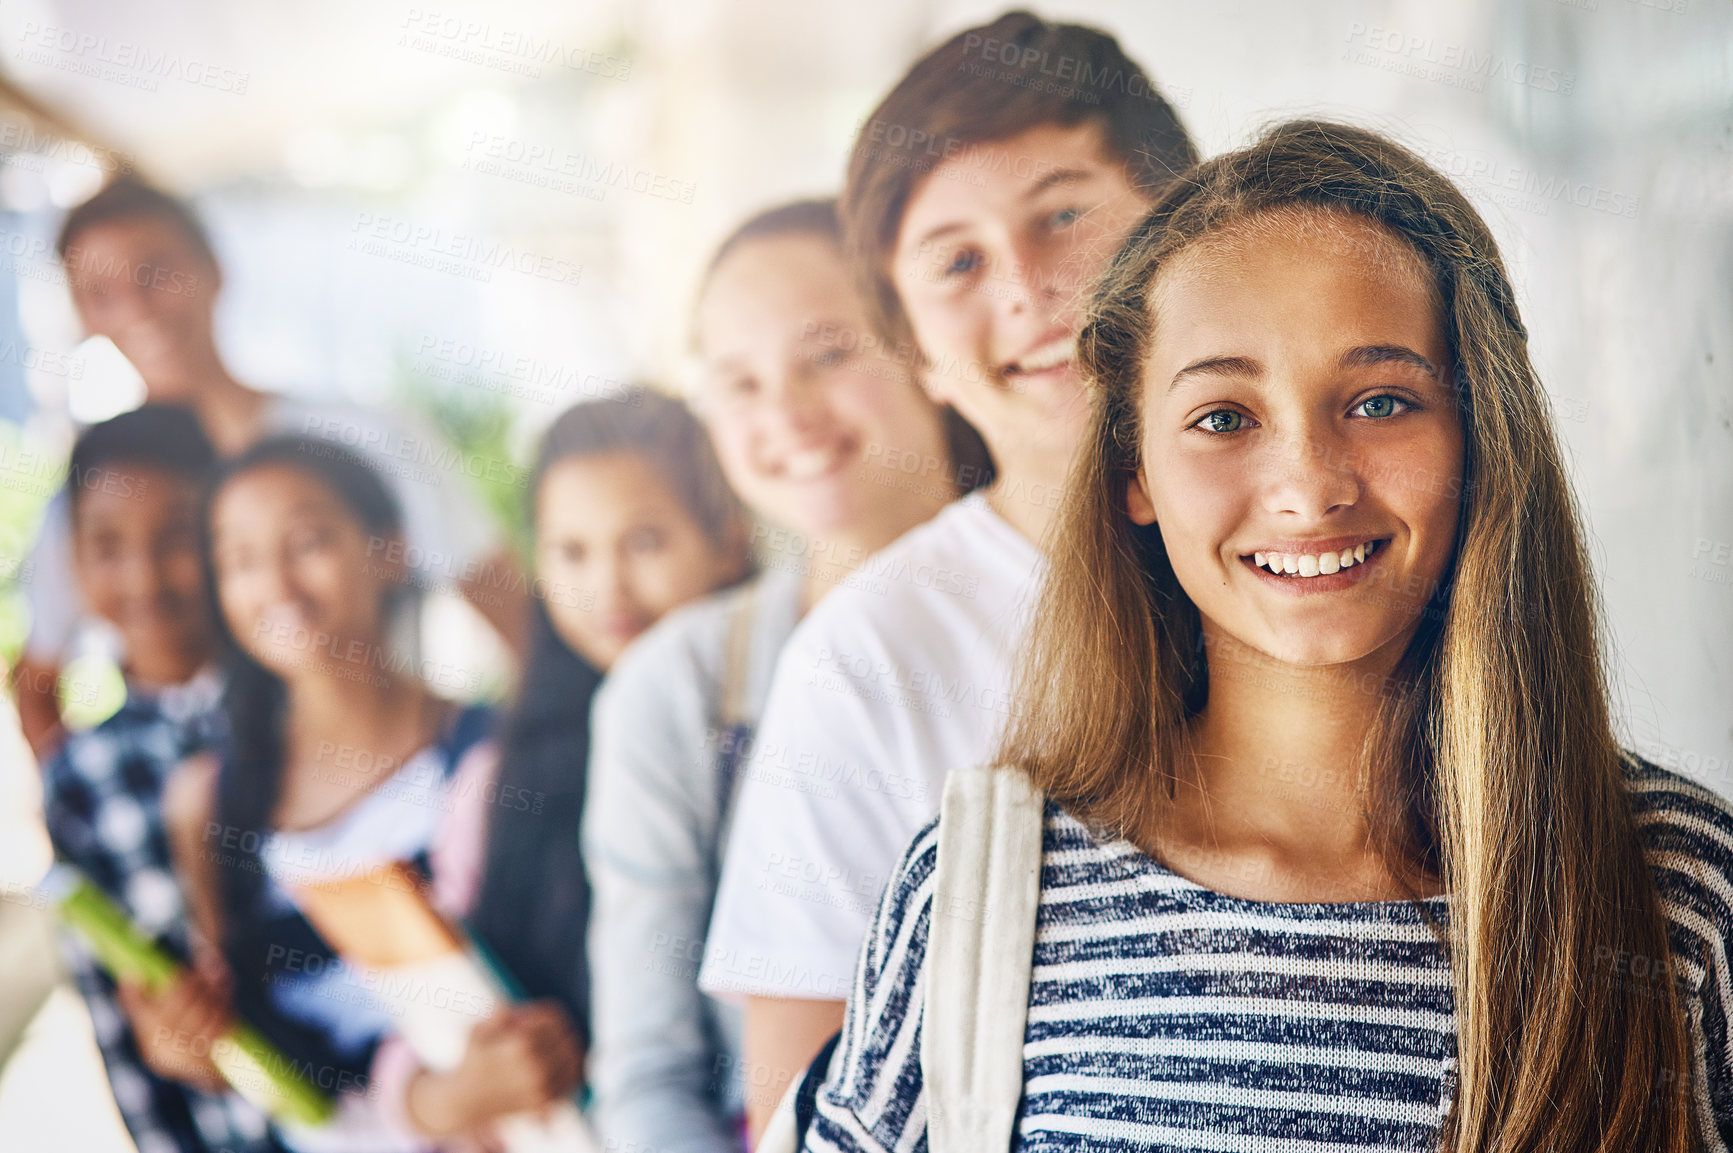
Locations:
{"points": [[888, 684], [446, 532]]}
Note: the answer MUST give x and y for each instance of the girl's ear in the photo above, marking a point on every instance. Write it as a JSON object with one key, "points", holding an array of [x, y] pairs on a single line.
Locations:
{"points": [[1137, 501]]}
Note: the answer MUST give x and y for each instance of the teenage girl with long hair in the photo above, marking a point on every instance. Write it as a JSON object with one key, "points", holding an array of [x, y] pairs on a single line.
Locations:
{"points": [[1339, 847], [808, 428], [632, 519], [335, 750]]}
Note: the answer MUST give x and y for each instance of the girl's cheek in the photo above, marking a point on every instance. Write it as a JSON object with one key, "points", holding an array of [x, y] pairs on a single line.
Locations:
{"points": [[239, 610], [576, 627], [1200, 498], [952, 327], [657, 583], [1179, 477]]}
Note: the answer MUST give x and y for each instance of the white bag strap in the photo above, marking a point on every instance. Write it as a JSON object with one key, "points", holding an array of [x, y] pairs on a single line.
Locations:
{"points": [[737, 658], [981, 945], [781, 1135]]}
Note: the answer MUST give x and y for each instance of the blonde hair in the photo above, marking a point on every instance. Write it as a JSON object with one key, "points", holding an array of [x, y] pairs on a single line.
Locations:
{"points": [[1497, 770]]}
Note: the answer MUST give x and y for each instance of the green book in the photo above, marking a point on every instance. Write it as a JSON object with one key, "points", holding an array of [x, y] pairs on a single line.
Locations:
{"points": [[254, 1067]]}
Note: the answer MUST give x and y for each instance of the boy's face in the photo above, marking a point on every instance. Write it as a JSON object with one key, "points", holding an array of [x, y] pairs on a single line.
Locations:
{"points": [[993, 262], [140, 282], [135, 547]]}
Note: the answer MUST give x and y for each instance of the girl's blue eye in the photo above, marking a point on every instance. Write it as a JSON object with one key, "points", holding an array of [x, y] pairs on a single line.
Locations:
{"points": [[1221, 420], [1066, 217], [1379, 407], [831, 357], [963, 263]]}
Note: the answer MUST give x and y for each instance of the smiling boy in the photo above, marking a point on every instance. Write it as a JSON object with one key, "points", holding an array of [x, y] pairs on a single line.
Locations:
{"points": [[984, 195]]}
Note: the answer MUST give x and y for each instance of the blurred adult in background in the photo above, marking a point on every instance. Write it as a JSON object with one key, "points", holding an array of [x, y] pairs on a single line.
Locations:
{"points": [[142, 273], [984, 194], [810, 427]]}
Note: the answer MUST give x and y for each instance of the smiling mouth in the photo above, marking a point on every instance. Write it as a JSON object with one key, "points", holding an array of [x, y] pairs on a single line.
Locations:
{"points": [[1052, 355], [813, 463], [1303, 566]]}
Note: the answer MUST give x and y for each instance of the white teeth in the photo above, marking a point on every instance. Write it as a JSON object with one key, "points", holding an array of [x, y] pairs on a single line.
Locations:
{"points": [[1050, 355], [282, 616], [809, 463], [1307, 565]]}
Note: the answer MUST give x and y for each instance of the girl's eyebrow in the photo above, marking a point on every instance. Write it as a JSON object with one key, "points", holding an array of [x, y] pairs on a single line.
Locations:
{"points": [[1368, 355], [1217, 366], [1055, 178], [1363, 356]]}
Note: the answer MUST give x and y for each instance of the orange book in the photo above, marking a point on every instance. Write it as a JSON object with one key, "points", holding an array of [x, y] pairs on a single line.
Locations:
{"points": [[380, 919], [432, 978]]}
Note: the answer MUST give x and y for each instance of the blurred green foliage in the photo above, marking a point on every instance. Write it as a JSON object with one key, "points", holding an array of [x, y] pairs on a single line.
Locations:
{"points": [[91, 687], [482, 426], [29, 477]]}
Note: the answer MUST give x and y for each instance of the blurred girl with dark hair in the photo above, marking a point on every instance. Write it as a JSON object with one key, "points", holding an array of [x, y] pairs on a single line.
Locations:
{"points": [[632, 519], [335, 751]]}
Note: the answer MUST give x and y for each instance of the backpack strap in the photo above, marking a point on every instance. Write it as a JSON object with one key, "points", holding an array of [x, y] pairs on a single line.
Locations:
{"points": [[733, 719], [980, 948]]}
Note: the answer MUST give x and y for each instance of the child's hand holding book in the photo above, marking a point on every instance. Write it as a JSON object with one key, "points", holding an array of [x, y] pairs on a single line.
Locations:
{"points": [[520, 1060], [177, 1026]]}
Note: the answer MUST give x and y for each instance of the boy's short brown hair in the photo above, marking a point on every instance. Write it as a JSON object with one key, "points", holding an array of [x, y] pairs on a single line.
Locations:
{"points": [[989, 83], [128, 198]]}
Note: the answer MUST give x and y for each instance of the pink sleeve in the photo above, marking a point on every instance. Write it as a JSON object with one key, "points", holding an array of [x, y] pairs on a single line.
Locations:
{"points": [[461, 849], [456, 857], [394, 1066]]}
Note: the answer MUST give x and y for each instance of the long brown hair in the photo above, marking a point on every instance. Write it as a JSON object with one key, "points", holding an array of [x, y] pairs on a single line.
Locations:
{"points": [[1493, 765]]}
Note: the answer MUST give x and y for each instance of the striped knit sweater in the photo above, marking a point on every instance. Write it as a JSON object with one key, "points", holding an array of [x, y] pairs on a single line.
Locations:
{"points": [[1166, 1016]]}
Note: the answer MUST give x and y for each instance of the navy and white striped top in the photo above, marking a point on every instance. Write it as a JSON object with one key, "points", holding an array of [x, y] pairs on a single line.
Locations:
{"points": [[1166, 1016]]}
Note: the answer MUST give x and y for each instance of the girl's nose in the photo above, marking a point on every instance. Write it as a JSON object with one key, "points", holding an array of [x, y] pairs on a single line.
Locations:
{"points": [[1309, 474]]}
